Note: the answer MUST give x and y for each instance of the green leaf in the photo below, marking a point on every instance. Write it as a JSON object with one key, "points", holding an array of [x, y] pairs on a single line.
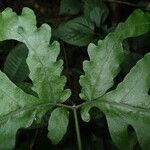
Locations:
{"points": [[96, 10], [15, 65], [106, 57], [19, 109], [42, 61], [69, 7], [129, 104], [98, 16], [58, 124], [78, 31], [27, 88]]}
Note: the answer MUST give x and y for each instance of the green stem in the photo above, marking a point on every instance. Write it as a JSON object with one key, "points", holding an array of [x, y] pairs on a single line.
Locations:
{"points": [[77, 129], [63, 105]]}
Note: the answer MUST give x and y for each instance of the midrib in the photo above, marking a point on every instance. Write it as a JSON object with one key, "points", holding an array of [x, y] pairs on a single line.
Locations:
{"points": [[102, 104]]}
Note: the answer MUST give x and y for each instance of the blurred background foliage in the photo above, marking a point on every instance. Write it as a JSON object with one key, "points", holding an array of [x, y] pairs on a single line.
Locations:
{"points": [[75, 24]]}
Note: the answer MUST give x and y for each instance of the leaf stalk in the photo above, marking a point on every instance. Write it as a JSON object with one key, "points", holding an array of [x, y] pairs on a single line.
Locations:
{"points": [[77, 129]]}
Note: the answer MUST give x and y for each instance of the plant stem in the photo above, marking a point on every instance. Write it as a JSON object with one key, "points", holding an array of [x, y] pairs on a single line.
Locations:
{"points": [[63, 105], [77, 129], [125, 3], [121, 2]]}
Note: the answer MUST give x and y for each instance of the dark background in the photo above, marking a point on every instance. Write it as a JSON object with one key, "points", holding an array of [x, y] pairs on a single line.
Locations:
{"points": [[94, 135]]}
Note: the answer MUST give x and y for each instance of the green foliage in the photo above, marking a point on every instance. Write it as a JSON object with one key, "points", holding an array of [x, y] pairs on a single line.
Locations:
{"points": [[96, 11], [44, 69], [24, 105], [108, 55], [15, 65], [18, 109], [26, 87], [129, 103], [131, 106], [58, 123], [78, 31]]}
